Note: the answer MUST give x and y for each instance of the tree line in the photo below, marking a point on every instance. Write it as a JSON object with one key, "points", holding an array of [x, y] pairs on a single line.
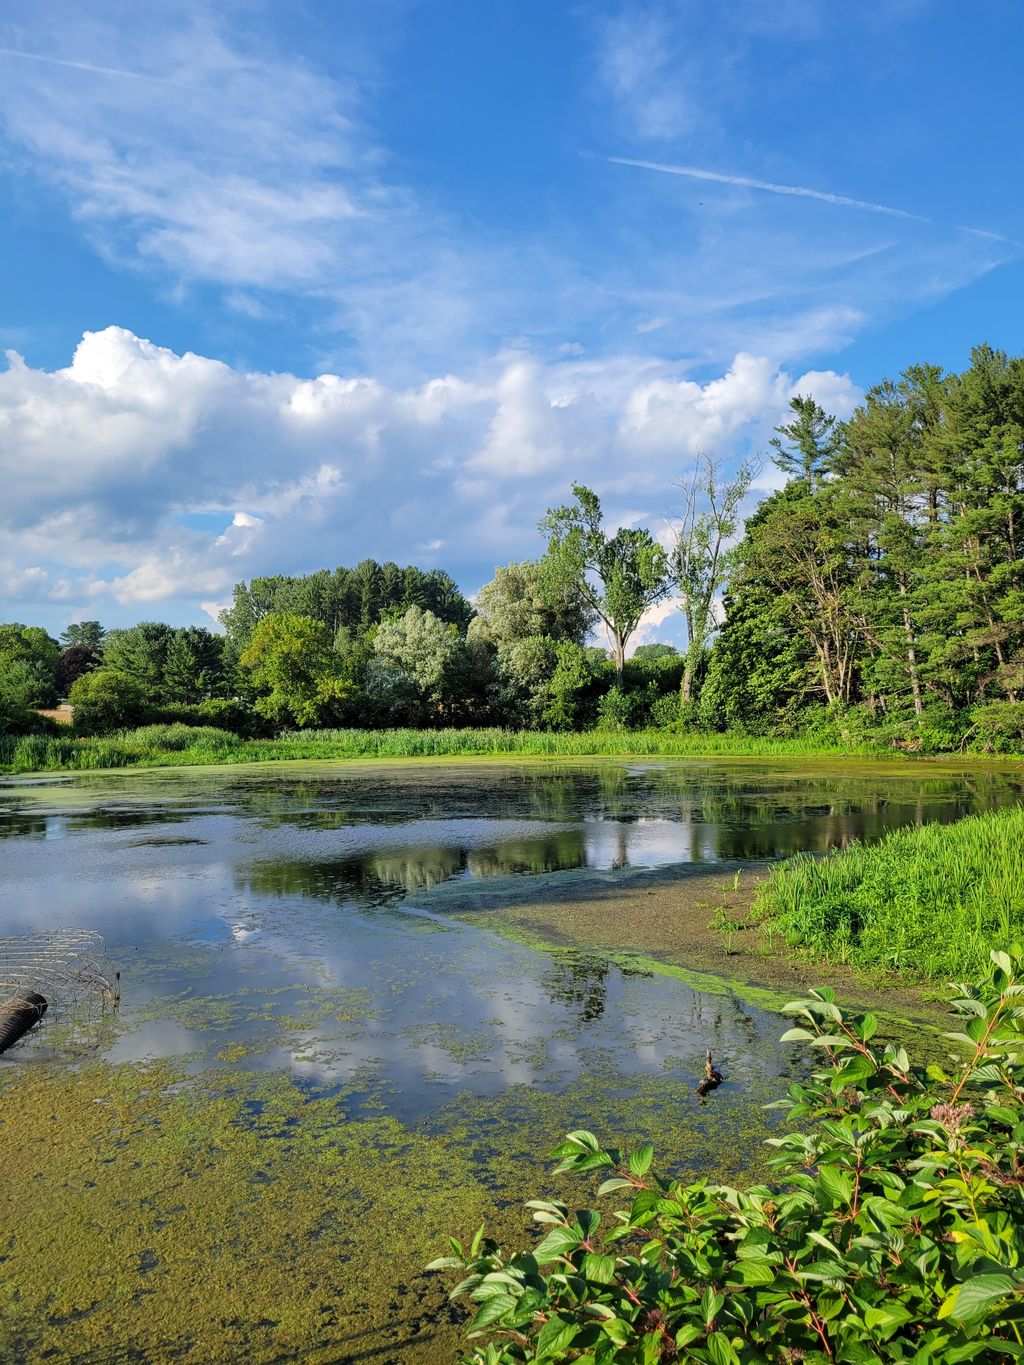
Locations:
{"points": [[878, 593]]}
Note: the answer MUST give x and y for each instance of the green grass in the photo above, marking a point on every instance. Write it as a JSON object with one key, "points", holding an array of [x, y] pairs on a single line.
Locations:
{"points": [[162, 745], [929, 901]]}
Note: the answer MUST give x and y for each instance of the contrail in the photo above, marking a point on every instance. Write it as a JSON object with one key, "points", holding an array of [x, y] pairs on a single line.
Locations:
{"points": [[82, 66], [802, 192]]}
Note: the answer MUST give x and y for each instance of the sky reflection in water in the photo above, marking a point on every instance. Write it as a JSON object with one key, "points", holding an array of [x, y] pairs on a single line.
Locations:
{"points": [[259, 909]]}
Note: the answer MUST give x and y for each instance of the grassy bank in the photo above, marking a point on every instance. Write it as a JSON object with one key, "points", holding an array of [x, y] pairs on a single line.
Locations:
{"points": [[162, 745], [928, 901]]}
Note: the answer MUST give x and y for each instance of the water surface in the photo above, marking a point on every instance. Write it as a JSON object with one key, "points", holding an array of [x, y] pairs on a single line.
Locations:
{"points": [[277, 923]]}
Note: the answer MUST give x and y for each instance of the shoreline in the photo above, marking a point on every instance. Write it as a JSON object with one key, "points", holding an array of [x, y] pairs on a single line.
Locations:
{"points": [[660, 921], [170, 761]]}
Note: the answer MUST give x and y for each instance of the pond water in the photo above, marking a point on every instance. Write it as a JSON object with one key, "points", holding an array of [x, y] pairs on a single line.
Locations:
{"points": [[284, 949]]}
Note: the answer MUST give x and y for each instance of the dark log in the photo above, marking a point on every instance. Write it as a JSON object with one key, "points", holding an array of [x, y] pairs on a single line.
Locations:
{"points": [[18, 1014]]}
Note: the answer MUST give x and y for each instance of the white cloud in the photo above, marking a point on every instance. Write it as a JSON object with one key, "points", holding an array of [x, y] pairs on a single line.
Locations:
{"points": [[190, 145], [642, 68], [114, 466], [218, 162]]}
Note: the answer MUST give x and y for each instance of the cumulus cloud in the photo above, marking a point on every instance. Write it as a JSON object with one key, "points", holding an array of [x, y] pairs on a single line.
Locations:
{"points": [[140, 479]]}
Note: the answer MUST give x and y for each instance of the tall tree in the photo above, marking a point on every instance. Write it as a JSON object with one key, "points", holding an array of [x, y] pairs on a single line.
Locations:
{"points": [[804, 447], [619, 576], [194, 665], [140, 653], [86, 634], [33, 656], [703, 555], [290, 660]]}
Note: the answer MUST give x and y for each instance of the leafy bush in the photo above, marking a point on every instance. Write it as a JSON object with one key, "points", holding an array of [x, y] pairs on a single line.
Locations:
{"points": [[221, 712], [175, 737], [893, 1229], [927, 900], [999, 727], [106, 700]]}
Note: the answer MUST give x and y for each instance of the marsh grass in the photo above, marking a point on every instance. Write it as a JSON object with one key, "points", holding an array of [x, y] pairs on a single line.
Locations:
{"points": [[927, 901], [163, 745]]}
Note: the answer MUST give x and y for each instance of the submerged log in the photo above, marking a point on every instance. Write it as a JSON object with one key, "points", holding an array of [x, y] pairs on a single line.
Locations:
{"points": [[712, 1078], [18, 1014]]}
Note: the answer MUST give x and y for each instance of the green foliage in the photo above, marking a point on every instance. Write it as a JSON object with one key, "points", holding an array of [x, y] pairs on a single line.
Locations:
{"points": [[703, 554], [29, 659], [806, 445], [194, 666], [106, 700], [421, 658], [219, 712], [567, 693], [618, 576], [175, 737], [353, 600], [291, 661], [522, 602], [655, 652], [893, 1228], [140, 652], [523, 614], [927, 900], [19, 695], [184, 665], [62, 752], [83, 635], [999, 727], [17, 716]]}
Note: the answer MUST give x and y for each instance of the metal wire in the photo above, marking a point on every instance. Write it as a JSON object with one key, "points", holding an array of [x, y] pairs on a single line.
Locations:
{"points": [[68, 966]]}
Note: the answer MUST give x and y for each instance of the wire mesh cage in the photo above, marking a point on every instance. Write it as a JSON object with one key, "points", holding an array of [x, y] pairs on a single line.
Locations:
{"points": [[62, 975]]}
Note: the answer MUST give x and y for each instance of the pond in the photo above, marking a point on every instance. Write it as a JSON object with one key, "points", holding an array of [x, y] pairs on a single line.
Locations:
{"points": [[331, 1050]]}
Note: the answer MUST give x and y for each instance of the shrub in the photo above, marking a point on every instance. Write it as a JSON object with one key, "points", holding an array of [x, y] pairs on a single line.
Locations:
{"points": [[106, 700], [999, 727], [225, 714], [893, 1228], [175, 737]]}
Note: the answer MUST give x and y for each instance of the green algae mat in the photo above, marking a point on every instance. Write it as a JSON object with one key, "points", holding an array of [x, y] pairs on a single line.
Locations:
{"points": [[326, 1058]]}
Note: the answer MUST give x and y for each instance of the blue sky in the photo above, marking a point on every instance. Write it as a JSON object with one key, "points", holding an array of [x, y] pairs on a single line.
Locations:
{"points": [[286, 286]]}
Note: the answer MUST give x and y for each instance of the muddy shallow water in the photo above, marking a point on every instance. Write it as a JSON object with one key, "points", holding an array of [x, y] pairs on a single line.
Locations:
{"points": [[321, 1064]]}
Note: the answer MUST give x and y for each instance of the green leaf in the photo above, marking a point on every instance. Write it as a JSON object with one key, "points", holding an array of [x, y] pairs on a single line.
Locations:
{"points": [[599, 1268], [559, 1242], [797, 1035], [720, 1349], [618, 1330], [555, 1336], [885, 1318], [1002, 961], [495, 1308], [615, 1182], [640, 1161], [970, 1301], [836, 1183], [852, 1073], [754, 1272], [868, 1025]]}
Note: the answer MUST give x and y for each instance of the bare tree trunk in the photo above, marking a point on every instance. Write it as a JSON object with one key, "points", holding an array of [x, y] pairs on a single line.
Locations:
{"points": [[686, 691], [915, 685]]}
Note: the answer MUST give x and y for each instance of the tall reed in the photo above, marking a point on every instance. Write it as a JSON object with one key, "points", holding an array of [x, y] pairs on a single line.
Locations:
{"points": [[161, 745], [929, 901]]}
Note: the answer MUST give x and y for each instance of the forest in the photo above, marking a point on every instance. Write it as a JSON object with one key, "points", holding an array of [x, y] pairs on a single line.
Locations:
{"points": [[875, 599]]}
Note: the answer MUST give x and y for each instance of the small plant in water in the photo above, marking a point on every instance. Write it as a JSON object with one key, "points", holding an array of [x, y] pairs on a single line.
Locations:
{"points": [[893, 1229], [722, 923]]}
